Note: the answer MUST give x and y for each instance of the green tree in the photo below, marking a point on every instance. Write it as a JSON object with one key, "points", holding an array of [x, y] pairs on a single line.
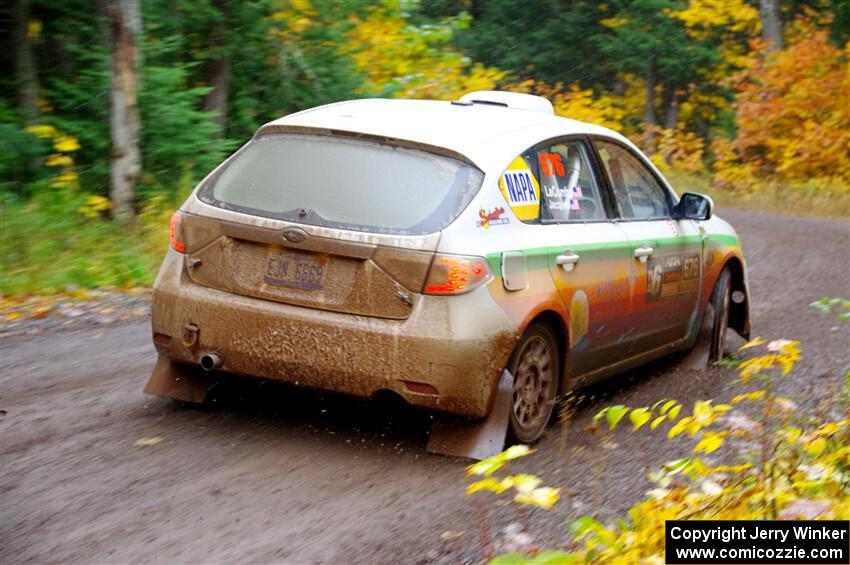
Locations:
{"points": [[549, 40], [643, 38]]}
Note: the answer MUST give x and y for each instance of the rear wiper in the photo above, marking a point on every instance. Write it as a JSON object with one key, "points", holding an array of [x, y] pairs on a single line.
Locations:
{"points": [[301, 214]]}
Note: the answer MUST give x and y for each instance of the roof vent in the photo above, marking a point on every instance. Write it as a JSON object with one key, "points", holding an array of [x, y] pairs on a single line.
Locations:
{"points": [[513, 100]]}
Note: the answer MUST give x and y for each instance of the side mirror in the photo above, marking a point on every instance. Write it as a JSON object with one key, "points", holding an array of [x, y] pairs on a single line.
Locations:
{"points": [[693, 206]]}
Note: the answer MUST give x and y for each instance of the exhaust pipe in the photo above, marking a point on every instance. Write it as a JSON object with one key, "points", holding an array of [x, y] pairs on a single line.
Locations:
{"points": [[210, 362]]}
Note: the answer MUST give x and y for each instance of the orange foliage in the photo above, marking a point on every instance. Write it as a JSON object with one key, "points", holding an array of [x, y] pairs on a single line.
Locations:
{"points": [[793, 116], [680, 150]]}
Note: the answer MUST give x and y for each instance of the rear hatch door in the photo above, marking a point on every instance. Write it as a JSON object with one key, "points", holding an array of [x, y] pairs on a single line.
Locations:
{"points": [[339, 224]]}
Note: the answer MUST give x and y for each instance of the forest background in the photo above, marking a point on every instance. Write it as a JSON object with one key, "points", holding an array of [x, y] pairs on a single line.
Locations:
{"points": [[111, 111]]}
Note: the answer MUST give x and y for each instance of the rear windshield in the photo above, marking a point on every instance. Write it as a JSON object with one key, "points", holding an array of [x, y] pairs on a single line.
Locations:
{"points": [[344, 183]]}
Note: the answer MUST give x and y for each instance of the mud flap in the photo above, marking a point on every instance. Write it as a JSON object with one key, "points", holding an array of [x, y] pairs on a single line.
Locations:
{"points": [[185, 383], [476, 439]]}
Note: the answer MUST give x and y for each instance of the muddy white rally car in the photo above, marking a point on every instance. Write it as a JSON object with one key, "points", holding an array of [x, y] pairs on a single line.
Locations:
{"points": [[423, 247]]}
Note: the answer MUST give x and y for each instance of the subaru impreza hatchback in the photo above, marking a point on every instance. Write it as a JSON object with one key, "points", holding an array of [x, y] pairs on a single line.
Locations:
{"points": [[424, 247]]}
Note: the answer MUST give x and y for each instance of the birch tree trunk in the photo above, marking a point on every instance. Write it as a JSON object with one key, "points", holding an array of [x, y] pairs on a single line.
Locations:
{"points": [[218, 69], [649, 119], [125, 32], [216, 99], [26, 80], [670, 119], [771, 26]]}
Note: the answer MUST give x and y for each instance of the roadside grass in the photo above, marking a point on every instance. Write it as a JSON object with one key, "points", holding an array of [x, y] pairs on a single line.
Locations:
{"points": [[799, 200], [49, 247], [779, 462]]}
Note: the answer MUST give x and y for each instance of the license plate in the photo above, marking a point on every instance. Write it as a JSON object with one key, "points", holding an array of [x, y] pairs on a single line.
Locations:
{"points": [[295, 271]]}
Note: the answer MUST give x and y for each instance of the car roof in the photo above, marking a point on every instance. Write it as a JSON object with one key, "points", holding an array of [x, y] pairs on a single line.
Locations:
{"points": [[483, 133]]}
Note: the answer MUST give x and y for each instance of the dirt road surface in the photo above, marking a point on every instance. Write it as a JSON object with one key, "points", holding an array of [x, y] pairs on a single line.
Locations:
{"points": [[277, 474]]}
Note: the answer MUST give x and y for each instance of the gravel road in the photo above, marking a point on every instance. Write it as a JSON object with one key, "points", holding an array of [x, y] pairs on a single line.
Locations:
{"points": [[278, 474]]}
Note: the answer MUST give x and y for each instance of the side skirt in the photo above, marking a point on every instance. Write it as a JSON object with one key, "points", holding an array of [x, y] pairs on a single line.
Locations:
{"points": [[626, 364]]}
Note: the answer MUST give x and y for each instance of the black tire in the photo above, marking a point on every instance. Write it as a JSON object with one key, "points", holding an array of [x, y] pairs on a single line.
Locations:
{"points": [[535, 366], [718, 316]]}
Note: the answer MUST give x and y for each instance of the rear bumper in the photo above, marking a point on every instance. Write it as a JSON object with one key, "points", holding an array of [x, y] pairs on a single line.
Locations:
{"points": [[458, 345]]}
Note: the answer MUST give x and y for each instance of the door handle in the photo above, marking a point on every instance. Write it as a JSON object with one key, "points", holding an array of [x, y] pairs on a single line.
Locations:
{"points": [[567, 260], [643, 252]]}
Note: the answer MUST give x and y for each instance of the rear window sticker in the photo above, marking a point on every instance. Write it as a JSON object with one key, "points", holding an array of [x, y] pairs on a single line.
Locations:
{"points": [[551, 164], [563, 198], [575, 194], [491, 218], [521, 190], [557, 198]]}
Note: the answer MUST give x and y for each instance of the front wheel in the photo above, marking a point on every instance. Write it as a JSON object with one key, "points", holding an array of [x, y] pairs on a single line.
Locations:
{"points": [[718, 313], [534, 366]]}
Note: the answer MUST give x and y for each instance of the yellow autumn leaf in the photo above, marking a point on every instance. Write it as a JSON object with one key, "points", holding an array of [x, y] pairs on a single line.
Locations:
{"points": [[147, 441], [43, 131], [613, 415], [516, 451], [98, 203], [68, 179], [656, 422], [614, 23], [679, 427], [302, 5], [694, 426], [730, 468], [702, 409], [828, 428], [543, 497], [755, 395], [34, 28], [522, 482], [816, 446], [755, 342], [67, 144], [639, 417], [491, 484], [59, 160], [485, 467], [490, 465], [709, 442]]}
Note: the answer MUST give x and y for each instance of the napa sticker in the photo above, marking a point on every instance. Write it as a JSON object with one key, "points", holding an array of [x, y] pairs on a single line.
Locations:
{"points": [[521, 190]]}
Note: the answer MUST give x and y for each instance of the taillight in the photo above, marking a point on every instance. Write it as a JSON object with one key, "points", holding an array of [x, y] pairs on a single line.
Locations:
{"points": [[456, 274], [177, 242]]}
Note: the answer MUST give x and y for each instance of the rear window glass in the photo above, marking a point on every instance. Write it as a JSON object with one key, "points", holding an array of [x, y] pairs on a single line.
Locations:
{"points": [[344, 183]]}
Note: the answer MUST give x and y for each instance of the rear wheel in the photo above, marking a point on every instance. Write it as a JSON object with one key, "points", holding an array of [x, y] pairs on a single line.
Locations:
{"points": [[534, 366], [718, 316]]}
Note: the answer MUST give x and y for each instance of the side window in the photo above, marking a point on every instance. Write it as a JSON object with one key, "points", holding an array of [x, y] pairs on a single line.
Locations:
{"points": [[570, 192], [636, 192]]}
